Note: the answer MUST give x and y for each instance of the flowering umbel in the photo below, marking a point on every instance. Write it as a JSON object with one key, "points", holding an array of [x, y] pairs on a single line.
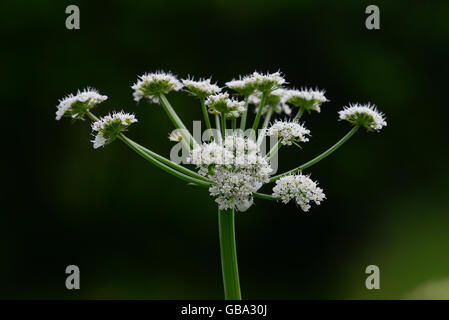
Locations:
{"points": [[366, 116], [231, 165], [76, 106], [151, 85], [109, 127]]}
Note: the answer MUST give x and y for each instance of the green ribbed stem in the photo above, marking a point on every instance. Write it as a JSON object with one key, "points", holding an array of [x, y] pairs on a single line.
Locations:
{"points": [[229, 265], [244, 115], [320, 157], [258, 115]]}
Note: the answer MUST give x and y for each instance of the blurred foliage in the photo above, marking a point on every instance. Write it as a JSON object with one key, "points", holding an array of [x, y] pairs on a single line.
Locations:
{"points": [[136, 232]]}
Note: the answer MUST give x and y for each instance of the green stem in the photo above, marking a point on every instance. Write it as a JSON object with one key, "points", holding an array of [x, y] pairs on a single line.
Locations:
{"points": [[259, 113], [163, 166], [229, 266], [320, 157], [275, 149], [156, 156], [234, 125], [264, 196], [206, 118], [223, 126], [177, 122], [217, 125], [299, 114], [244, 115], [164, 160], [265, 125]]}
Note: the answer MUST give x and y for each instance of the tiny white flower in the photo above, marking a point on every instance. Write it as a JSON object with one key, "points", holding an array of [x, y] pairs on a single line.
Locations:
{"points": [[151, 85], [77, 105], [175, 136], [201, 88], [308, 99], [235, 167], [220, 103], [299, 188], [267, 82], [109, 127], [289, 131], [244, 85], [276, 99], [366, 116]]}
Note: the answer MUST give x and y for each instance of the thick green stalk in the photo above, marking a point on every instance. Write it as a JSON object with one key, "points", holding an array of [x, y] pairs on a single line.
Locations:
{"points": [[206, 118], [177, 122], [244, 115], [229, 265], [223, 126], [320, 157], [234, 125], [259, 113]]}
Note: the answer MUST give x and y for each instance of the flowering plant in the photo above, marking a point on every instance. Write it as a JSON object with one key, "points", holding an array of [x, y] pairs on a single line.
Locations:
{"points": [[231, 163]]}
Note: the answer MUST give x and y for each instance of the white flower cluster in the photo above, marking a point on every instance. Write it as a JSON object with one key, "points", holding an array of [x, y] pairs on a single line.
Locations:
{"points": [[256, 81], [77, 105], [299, 188], [308, 99], [289, 131], [221, 104], [275, 99], [200, 88], [151, 85], [235, 167], [363, 115], [175, 136], [108, 127]]}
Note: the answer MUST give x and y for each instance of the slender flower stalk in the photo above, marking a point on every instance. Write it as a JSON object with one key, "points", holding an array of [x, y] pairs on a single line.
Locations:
{"points": [[223, 125], [156, 157], [217, 125], [265, 125], [258, 115], [273, 150], [231, 281], [188, 140], [206, 118], [244, 115], [299, 114], [320, 157], [161, 165]]}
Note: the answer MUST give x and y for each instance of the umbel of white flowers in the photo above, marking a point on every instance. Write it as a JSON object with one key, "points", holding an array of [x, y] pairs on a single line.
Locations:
{"points": [[232, 166]]}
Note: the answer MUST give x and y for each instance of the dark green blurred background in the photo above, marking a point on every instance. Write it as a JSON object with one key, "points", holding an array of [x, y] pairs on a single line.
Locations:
{"points": [[136, 232]]}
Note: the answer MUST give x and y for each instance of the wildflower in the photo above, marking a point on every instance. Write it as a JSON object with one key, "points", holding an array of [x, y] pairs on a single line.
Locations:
{"points": [[151, 85], [276, 99], [201, 88], [244, 86], [221, 104], [235, 167], [363, 115], [267, 82], [77, 105], [299, 188], [110, 126], [289, 131], [308, 99], [175, 136]]}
